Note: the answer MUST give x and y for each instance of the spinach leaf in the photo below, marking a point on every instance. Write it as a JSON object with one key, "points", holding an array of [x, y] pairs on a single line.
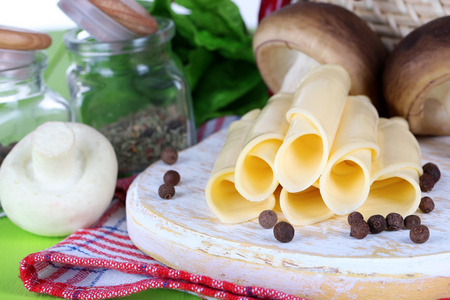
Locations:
{"points": [[215, 49]]}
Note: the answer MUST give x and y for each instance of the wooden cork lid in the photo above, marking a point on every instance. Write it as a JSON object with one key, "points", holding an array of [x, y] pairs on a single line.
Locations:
{"points": [[110, 20], [22, 39], [129, 14]]}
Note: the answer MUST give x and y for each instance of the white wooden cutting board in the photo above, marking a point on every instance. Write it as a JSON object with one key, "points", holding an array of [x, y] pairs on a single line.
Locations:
{"points": [[321, 262]]}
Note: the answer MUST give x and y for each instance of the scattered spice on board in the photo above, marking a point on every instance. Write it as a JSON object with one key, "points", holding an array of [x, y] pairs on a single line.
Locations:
{"points": [[169, 155], [139, 139], [359, 229], [354, 216], [172, 177], [411, 221], [166, 191], [426, 182], [267, 219], [433, 170], [426, 204], [394, 221], [419, 234], [284, 232], [377, 223]]}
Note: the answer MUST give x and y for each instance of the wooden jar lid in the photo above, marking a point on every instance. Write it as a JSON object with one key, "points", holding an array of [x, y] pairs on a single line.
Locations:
{"points": [[129, 14], [21, 39]]}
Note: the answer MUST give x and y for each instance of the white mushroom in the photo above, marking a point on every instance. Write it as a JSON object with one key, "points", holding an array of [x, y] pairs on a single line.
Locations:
{"points": [[57, 179]]}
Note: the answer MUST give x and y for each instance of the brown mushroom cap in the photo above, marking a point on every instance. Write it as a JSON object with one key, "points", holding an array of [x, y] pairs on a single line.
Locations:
{"points": [[328, 33], [420, 63]]}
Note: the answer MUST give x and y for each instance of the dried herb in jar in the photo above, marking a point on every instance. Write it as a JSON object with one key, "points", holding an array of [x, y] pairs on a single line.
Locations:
{"points": [[138, 139]]}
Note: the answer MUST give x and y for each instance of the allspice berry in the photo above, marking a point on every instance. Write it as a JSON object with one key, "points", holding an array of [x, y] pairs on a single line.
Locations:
{"points": [[172, 177], [426, 205], [268, 218], [426, 182], [284, 232], [419, 234], [411, 221], [433, 170], [377, 223], [169, 155], [166, 191], [359, 229], [354, 216], [394, 221]]}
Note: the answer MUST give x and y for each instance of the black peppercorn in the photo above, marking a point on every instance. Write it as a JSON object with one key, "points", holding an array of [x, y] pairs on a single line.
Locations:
{"points": [[394, 221], [377, 223], [419, 234], [268, 218], [433, 170], [359, 229], [411, 221], [169, 155], [426, 182], [166, 191], [426, 204], [354, 216], [172, 177], [284, 232]]}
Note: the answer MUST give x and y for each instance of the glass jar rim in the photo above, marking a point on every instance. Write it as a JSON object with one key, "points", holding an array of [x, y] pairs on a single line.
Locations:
{"points": [[29, 68], [80, 41]]}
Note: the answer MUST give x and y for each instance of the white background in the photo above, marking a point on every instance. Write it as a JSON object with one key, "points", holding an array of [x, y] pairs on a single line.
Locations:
{"points": [[44, 15]]}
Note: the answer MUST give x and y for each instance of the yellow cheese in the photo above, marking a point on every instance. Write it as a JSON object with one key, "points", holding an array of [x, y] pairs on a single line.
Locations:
{"points": [[221, 195], [254, 174], [305, 207], [314, 118], [346, 179], [395, 172]]}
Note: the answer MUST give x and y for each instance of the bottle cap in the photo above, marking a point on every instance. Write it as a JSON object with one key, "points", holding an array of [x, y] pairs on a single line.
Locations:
{"points": [[23, 39], [18, 46], [109, 21]]}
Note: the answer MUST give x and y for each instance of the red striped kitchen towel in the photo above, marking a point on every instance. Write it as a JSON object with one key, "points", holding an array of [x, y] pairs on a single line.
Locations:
{"points": [[101, 262]]}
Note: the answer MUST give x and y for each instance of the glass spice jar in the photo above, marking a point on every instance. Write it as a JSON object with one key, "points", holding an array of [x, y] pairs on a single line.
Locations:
{"points": [[133, 92], [25, 100]]}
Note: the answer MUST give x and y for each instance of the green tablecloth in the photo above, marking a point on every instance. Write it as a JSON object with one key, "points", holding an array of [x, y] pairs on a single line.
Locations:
{"points": [[15, 243]]}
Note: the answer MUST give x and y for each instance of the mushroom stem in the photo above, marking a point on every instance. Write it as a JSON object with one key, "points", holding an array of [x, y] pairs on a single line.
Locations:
{"points": [[432, 115], [54, 157]]}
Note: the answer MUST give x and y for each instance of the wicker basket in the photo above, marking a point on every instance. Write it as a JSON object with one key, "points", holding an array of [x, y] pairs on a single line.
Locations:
{"points": [[394, 19]]}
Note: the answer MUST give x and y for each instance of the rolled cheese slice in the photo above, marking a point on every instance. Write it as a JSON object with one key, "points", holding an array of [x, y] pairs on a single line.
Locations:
{"points": [[346, 179], [395, 172], [314, 118], [305, 207], [254, 175], [221, 195]]}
